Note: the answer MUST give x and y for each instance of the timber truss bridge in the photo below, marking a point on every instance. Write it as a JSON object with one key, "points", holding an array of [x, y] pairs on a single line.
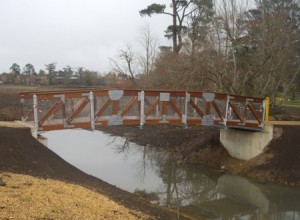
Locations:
{"points": [[88, 108]]}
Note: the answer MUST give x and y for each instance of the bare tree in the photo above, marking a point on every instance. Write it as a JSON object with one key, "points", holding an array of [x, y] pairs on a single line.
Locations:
{"points": [[129, 64], [125, 64], [275, 31], [149, 44], [147, 58]]}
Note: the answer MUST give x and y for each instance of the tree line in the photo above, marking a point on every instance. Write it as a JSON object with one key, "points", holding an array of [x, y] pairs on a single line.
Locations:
{"points": [[230, 46], [239, 47], [51, 76]]}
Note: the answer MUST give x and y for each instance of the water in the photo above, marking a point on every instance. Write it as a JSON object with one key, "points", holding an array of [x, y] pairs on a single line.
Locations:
{"points": [[156, 174]]}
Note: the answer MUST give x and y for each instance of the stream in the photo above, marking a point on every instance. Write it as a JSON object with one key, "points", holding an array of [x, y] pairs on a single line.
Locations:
{"points": [[157, 176]]}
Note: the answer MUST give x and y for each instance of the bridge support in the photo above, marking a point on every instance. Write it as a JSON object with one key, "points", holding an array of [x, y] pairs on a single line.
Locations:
{"points": [[243, 144]]}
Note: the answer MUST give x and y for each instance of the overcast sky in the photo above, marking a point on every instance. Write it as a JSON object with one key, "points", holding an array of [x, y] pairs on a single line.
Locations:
{"points": [[78, 33]]}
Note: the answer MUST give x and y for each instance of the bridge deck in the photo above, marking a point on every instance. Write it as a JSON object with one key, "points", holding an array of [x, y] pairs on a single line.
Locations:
{"points": [[88, 108]]}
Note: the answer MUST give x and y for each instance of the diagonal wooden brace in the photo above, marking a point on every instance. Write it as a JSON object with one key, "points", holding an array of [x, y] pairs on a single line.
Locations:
{"points": [[132, 102], [151, 108], [175, 108], [51, 111], [103, 108], [236, 111], [199, 112], [78, 110], [254, 112]]}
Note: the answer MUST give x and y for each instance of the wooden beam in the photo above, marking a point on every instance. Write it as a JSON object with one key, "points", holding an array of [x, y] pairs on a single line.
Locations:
{"points": [[51, 111], [253, 110], [199, 112], [216, 107], [78, 109], [175, 108], [115, 107], [151, 108], [236, 111], [103, 108], [207, 108], [132, 102]]}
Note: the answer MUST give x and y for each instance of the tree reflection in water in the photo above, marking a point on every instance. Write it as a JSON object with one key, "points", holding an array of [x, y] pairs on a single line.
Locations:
{"points": [[181, 184], [200, 192]]}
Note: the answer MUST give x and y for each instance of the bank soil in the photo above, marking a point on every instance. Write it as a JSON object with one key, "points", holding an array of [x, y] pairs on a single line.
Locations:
{"points": [[22, 154], [280, 161]]}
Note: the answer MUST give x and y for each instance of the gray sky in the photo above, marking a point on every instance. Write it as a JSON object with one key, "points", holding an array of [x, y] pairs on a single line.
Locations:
{"points": [[72, 32]]}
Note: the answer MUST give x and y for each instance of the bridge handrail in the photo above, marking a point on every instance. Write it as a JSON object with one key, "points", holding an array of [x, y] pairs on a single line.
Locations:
{"points": [[210, 108]]}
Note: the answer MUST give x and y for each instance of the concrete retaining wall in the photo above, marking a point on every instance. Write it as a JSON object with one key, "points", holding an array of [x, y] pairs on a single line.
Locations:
{"points": [[243, 144]]}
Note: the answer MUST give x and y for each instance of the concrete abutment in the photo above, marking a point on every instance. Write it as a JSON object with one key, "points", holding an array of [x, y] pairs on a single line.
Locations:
{"points": [[243, 144]]}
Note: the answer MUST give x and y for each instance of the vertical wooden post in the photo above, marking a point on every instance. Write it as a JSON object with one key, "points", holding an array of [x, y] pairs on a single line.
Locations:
{"points": [[184, 117], [35, 114], [227, 111], [207, 108], [92, 109], [142, 106], [115, 107]]}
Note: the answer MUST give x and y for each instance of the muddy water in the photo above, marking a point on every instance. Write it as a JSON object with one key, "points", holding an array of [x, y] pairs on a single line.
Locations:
{"points": [[161, 178]]}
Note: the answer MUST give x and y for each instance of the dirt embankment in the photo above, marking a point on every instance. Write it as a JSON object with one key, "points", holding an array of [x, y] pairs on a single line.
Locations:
{"points": [[21, 153]]}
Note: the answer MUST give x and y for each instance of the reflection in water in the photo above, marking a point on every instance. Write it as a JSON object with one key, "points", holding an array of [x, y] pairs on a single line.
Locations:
{"points": [[155, 174]]}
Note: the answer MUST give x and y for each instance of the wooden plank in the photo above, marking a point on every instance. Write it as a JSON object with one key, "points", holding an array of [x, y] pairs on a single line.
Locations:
{"points": [[52, 127], [151, 108], [253, 110], [51, 111], [199, 112], [132, 102], [115, 107], [175, 108], [131, 92], [103, 108], [218, 110], [131, 121], [78, 109], [82, 124], [194, 121], [207, 108], [236, 111]]}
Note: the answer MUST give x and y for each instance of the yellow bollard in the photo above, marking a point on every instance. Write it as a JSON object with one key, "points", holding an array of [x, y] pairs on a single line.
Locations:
{"points": [[267, 109]]}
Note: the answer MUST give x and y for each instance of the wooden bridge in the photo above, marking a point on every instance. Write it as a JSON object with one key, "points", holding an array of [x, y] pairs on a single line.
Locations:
{"points": [[88, 108]]}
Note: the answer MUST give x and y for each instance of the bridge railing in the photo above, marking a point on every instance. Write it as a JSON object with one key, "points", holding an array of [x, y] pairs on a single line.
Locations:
{"points": [[50, 110]]}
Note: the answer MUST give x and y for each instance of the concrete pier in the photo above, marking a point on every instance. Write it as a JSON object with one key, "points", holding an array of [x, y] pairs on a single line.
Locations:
{"points": [[245, 145]]}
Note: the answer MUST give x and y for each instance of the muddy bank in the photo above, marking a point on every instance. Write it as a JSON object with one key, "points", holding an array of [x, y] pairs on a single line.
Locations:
{"points": [[21, 153], [280, 162]]}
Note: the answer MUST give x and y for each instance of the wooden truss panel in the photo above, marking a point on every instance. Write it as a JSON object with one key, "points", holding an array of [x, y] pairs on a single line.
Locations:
{"points": [[174, 109]]}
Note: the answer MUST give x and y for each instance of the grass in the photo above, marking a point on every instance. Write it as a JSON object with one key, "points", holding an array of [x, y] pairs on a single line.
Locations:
{"points": [[293, 103]]}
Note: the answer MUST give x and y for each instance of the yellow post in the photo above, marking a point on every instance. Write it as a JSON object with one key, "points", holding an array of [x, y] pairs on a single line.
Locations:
{"points": [[267, 109]]}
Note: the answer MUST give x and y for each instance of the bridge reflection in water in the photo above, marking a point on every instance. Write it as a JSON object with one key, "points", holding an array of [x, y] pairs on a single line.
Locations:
{"points": [[88, 108], [156, 174]]}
